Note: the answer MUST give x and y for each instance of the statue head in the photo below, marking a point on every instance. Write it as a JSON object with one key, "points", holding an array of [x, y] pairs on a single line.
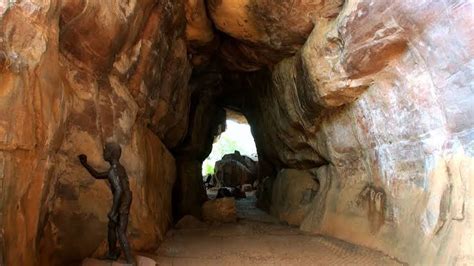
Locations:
{"points": [[112, 152]]}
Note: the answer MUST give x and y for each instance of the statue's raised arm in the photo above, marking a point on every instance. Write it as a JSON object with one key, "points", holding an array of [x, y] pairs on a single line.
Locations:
{"points": [[90, 169]]}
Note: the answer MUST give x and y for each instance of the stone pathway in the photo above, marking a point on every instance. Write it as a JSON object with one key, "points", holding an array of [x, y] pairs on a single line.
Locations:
{"points": [[258, 239]]}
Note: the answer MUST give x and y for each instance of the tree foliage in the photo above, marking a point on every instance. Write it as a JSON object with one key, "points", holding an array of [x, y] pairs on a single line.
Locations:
{"points": [[223, 146]]}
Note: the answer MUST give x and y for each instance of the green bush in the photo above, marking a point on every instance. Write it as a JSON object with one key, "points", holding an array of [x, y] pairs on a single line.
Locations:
{"points": [[208, 168], [227, 144]]}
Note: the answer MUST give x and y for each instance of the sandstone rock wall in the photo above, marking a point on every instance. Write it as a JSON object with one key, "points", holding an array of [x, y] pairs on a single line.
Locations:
{"points": [[206, 121], [379, 103], [74, 75], [262, 32], [77, 220], [292, 194]]}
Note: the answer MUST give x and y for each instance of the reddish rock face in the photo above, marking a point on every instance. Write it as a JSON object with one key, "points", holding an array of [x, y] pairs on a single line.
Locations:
{"points": [[220, 210], [263, 31], [76, 75], [199, 28]]}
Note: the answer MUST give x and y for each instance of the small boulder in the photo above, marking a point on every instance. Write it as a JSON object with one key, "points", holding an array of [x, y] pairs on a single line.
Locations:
{"points": [[144, 261], [292, 195], [220, 210], [190, 222]]}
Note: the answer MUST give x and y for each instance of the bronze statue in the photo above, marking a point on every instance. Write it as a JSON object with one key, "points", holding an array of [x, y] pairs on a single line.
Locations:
{"points": [[122, 199]]}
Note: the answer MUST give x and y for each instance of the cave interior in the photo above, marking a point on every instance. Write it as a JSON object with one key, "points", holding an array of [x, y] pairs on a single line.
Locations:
{"points": [[362, 113]]}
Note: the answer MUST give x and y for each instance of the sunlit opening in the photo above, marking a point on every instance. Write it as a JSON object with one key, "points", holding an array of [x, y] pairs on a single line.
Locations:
{"points": [[237, 137]]}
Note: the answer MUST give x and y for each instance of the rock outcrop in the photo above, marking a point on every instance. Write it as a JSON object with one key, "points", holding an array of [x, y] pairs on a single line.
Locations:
{"points": [[292, 195], [76, 74], [245, 160], [263, 32], [236, 170], [206, 121], [379, 103], [231, 173]]}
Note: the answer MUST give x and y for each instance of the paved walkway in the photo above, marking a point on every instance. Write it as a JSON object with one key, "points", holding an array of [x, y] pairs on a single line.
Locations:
{"points": [[257, 239]]}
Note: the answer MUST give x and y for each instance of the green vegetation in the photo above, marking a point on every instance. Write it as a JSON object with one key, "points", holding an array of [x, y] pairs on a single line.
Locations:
{"points": [[223, 146], [208, 167], [237, 137]]}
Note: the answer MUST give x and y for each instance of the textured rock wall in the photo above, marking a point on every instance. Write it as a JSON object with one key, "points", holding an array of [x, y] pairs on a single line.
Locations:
{"points": [[74, 75], [292, 194], [262, 32], [235, 169], [379, 105], [206, 121]]}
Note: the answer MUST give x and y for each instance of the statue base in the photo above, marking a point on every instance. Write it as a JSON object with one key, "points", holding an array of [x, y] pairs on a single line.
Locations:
{"points": [[140, 260]]}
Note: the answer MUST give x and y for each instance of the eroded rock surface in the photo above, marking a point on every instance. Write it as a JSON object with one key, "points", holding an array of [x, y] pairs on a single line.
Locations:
{"points": [[262, 32], [235, 170], [76, 74], [379, 101], [292, 195]]}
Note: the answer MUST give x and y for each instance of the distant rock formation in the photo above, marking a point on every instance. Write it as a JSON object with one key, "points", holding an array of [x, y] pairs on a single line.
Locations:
{"points": [[236, 170]]}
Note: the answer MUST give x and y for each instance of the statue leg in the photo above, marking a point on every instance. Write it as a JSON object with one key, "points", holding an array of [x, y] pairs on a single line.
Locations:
{"points": [[122, 227], [114, 252], [122, 235]]}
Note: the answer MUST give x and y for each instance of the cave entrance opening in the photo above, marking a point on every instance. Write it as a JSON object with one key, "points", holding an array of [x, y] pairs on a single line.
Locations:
{"points": [[231, 169], [236, 139]]}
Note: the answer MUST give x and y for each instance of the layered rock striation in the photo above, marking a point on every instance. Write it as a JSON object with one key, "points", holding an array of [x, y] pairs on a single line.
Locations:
{"points": [[75, 75], [378, 105]]}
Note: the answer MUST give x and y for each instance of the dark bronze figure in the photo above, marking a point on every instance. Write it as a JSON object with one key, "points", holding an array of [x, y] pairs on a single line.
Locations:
{"points": [[122, 199]]}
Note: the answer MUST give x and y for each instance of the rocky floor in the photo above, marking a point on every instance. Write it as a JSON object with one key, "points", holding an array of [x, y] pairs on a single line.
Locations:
{"points": [[258, 239]]}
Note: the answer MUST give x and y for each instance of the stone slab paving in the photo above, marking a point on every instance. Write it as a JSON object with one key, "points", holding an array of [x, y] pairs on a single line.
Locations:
{"points": [[257, 239]]}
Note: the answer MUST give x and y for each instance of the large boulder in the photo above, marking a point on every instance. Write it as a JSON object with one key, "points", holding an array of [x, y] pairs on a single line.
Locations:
{"points": [[292, 196], [245, 160], [235, 169], [231, 173]]}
